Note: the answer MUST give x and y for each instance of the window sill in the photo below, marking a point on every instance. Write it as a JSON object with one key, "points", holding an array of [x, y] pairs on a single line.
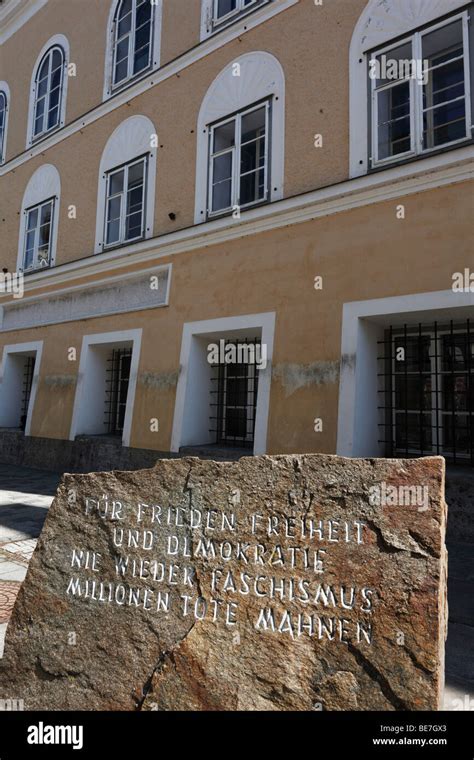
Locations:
{"points": [[216, 451], [420, 156]]}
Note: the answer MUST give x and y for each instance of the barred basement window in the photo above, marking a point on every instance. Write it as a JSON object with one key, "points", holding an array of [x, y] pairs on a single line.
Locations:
{"points": [[28, 372], [428, 396], [118, 378], [234, 400]]}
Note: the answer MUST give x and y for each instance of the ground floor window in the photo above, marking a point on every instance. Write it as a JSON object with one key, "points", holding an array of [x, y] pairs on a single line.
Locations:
{"points": [[428, 390], [234, 388], [28, 373], [118, 378]]}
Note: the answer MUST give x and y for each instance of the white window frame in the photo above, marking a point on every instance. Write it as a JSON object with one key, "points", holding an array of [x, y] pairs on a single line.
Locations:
{"points": [[235, 150], [46, 130], [131, 51], [416, 95], [123, 203], [5, 91], [60, 41], [240, 9], [39, 207]]}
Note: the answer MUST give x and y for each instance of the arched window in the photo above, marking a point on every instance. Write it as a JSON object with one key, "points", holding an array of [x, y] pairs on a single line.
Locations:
{"points": [[3, 120], [126, 191], [241, 137], [133, 39], [409, 70], [48, 92], [39, 219]]}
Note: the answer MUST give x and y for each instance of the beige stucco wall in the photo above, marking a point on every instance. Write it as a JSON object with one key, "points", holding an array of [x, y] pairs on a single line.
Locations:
{"points": [[316, 102], [273, 271]]}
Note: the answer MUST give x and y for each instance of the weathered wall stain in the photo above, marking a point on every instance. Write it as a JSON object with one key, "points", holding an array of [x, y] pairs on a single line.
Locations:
{"points": [[59, 381], [162, 381], [296, 376]]}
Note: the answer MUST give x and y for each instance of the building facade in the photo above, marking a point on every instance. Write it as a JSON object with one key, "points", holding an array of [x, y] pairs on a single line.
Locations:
{"points": [[235, 225]]}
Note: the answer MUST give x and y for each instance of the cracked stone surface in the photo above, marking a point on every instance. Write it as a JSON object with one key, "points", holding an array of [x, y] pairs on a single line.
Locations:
{"points": [[301, 594]]}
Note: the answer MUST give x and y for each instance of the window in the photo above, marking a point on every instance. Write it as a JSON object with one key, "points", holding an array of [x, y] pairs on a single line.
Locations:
{"points": [[227, 10], [48, 92], [238, 166], [124, 218], [234, 389], [118, 379], [417, 109], [429, 390], [37, 252], [3, 123], [18, 384], [133, 32]]}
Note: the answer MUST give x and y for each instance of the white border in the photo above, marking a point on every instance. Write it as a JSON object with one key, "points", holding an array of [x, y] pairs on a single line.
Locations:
{"points": [[5, 88], [265, 322], [135, 336], [261, 77], [61, 41], [45, 183], [18, 348], [109, 90], [129, 140], [362, 322]]}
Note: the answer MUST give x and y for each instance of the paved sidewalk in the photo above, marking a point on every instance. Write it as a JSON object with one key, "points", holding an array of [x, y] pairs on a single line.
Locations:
{"points": [[25, 497]]}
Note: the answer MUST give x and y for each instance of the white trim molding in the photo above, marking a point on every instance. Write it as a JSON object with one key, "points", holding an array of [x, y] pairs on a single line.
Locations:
{"points": [[148, 289], [11, 389], [15, 13], [89, 402], [3, 147], [58, 40], [381, 22], [191, 412], [133, 138], [363, 325], [157, 22], [248, 79], [44, 184]]}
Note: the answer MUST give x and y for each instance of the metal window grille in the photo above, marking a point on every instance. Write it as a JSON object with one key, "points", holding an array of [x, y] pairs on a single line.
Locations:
{"points": [[28, 372], [426, 374], [234, 390], [118, 377]]}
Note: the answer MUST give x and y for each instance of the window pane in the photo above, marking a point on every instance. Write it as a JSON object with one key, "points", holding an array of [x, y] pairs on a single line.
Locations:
{"points": [[135, 174], [32, 219], [113, 232], [252, 187], [121, 71], [252, 156], [443, 44], [142, 36], [402, 55], [141, 59], [125, 8], [57, 60], [42, 87], [56, 79], [143, 14], [122, 50], [113, 208], [393, 120], [221, 195], [124, 25], [30, 241], [253, 125], [444, 124], [53, 117], [45, 214], [225, 6], [224, 137], [43, 72], [133, 226], [116, 183], [222, 168]]}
